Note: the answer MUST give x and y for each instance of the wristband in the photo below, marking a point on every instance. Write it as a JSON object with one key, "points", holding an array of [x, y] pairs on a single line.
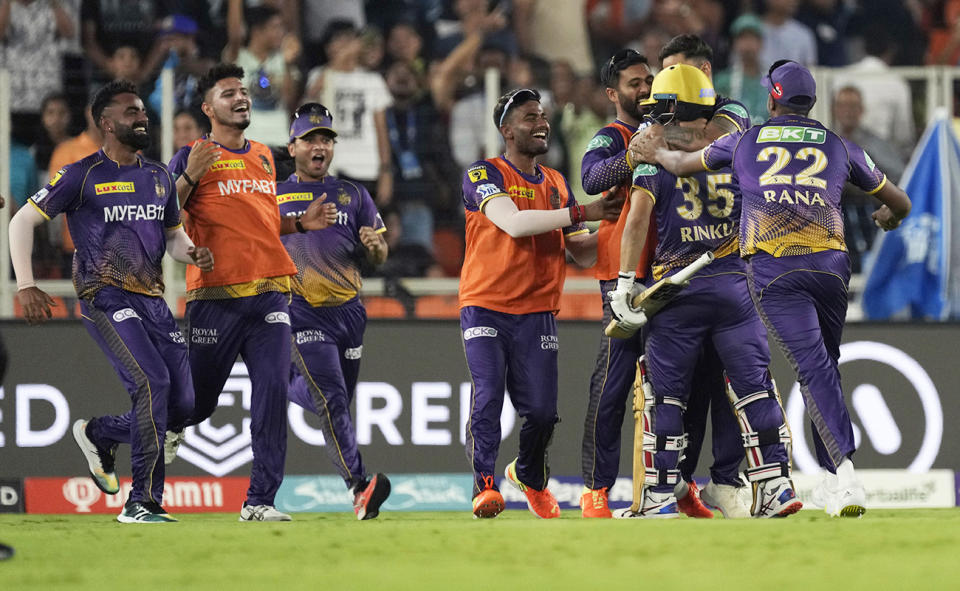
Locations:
{"points": [[187, 178], [578, 214], [299, 226], [625, 281]]}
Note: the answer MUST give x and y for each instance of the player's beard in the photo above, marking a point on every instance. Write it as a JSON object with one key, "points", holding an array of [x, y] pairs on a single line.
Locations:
{"points": [[630, 106], [228, 119], [128, 137]]}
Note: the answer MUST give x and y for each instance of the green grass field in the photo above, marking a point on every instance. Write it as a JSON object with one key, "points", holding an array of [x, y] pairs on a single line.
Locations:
{"points": [[905, 549]]}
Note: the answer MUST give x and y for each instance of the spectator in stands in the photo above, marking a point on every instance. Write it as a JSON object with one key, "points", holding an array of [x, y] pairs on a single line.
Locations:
{"points": [[125, 64], [30, 31], [830, 22], [468, 121], [405, 43], [743, 78], [887, 101], [55, 121], [320, 14], [187, 126], [858, 207], [358, 99], [72, 150], [784, 37], [588, 112], [422, 170], [373, 49], [615, 24], [536, 23], [106, 25], [178, 39], [269, 61], [456, 24]]}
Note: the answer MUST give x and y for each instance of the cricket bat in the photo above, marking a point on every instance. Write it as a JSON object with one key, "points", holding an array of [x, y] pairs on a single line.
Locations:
{"points": [[655, 297]]}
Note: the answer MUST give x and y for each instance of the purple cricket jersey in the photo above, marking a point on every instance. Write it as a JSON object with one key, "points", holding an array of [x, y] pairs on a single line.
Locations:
{"points": [[733, 110], [791, 171], [328, 271], [693, 214], [118, 217]]}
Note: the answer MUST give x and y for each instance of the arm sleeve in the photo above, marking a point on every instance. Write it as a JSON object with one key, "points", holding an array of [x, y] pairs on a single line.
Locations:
{"points": [[503, 212], [21, 244], [178, 243], [171, 212], [719, 154], [604, 165], [863, 170], [179, 162]]}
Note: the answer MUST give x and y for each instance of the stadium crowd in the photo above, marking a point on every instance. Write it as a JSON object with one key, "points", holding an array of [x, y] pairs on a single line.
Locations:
{"points": [[404, 82]]}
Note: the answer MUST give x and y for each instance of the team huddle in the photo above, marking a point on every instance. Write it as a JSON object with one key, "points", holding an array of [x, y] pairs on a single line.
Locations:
{"points": [[752, 214]]}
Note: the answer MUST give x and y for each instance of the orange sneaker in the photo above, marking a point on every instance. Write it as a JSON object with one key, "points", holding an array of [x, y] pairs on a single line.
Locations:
{"points": [[593, 502], [489, 502], [690, 504], [542, 503]]}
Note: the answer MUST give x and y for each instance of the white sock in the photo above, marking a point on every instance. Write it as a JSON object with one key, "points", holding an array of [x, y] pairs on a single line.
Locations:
{"points": [[845, 473]]}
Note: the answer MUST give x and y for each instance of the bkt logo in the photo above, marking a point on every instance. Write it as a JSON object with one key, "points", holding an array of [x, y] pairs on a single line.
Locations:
{"points": [[890, 387]]}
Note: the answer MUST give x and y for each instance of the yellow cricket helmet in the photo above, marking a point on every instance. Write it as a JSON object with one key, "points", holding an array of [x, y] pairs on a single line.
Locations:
{"points": [[685, 88]]}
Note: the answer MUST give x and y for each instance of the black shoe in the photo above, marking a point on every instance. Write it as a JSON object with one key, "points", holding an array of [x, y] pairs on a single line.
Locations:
{"points": [[369, 495]]}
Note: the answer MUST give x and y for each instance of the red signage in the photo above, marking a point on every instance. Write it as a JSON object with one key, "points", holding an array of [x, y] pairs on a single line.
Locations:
{"points": [[180, 495]]}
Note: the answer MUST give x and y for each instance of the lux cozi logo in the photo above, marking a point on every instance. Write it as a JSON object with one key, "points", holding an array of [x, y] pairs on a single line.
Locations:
{"points": [[118, 187]]}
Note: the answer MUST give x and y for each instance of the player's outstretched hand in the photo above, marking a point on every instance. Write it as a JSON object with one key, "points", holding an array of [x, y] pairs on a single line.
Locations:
{"points": [[202, 257], [645, 143], [606, 208], [36, 304], [885, 219], [202, 155], [319, 214]]}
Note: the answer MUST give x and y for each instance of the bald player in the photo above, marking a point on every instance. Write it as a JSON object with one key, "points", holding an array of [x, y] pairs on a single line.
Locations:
{"points": [[521, 219], [123, 215], [791, 171]]}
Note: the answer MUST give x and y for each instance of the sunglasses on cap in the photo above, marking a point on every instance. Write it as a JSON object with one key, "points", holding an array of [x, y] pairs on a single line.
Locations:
{"points": [[313, 109], [519, 96]]}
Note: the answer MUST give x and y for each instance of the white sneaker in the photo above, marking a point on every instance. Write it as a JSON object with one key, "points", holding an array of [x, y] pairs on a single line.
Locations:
{"points": [[850, 501], [726, 498], [655, 506], [100, 462], [823, 494], [171, 444], [262, 513], [776, 498]]}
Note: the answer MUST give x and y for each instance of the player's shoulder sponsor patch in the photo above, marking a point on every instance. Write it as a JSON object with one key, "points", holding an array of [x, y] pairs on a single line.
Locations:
{"points": [[39, 195], [488, 190], [477, 174], [599, 141], [644, 169], [869, 160], [56, 177], [734, 109]]}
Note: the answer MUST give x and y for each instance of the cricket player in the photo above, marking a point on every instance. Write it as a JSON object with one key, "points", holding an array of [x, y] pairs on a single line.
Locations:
{"points": [[520, 219], [227, 185], [791, 171], [327, 316], [695, 215], [606, 167], [123, 214], [708, 388]]}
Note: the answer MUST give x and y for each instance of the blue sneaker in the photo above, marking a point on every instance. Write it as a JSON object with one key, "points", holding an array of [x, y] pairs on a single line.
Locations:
{"points": [[776, 498], [656, 505]]}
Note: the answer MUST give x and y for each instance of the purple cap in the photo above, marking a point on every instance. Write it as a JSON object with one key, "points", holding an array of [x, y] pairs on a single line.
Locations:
{"points": [[311, 117], [790, 84]]}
